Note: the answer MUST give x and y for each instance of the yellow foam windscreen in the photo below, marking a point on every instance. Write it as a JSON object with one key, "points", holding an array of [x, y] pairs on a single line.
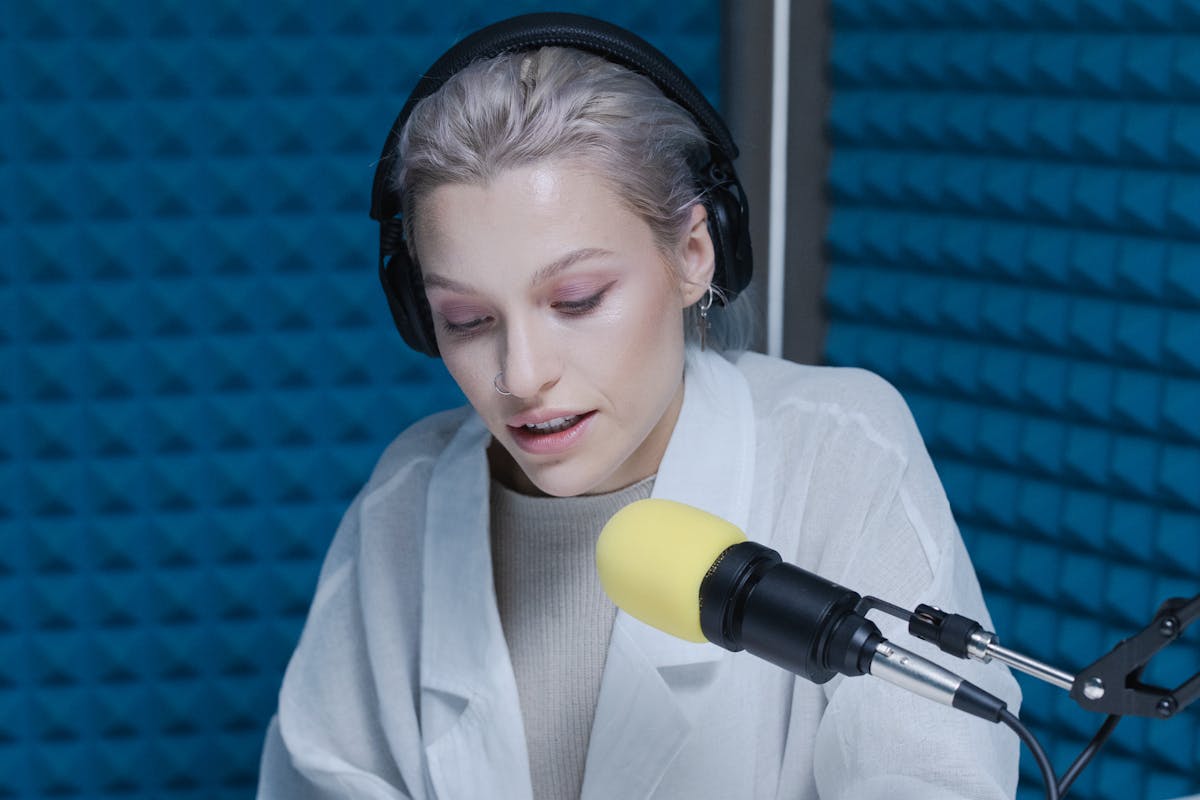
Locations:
{"points": [[652, 556]]}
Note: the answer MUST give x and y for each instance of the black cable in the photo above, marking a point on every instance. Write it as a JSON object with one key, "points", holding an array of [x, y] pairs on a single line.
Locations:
{"points": [[1039, 755], [1064, 783]]}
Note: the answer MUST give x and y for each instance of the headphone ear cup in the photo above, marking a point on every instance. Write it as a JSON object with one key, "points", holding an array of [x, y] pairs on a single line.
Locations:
{"points": [[401, 282], [730, 243]]}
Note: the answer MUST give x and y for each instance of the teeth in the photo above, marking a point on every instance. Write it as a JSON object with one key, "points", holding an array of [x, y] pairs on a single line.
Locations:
{"points": [[553, 425]]}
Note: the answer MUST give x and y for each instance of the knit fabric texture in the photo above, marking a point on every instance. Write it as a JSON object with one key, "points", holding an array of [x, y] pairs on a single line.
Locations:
{"points": [[556, 620]]}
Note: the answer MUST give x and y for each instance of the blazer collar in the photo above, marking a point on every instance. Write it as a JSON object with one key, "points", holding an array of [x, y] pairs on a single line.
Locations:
{"points": [[709, 464]]}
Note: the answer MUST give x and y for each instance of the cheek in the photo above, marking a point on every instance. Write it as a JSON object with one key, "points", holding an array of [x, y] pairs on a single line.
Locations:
{"points": [[653, 330], [646, 344]]}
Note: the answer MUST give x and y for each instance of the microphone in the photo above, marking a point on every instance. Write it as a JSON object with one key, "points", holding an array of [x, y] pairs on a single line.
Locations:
{"points": [[695, 576]]}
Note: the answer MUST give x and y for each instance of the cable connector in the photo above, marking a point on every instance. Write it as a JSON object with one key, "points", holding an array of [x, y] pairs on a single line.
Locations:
{"points": [[955, 634]]}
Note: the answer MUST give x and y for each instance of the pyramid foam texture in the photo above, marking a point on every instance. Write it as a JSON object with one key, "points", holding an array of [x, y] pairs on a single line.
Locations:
{"points": [[197, 369], [1015, 243]]}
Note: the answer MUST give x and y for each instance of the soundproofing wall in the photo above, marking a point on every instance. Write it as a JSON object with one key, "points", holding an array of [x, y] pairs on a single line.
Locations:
{"points": [[1015, 243], [197, 370]]}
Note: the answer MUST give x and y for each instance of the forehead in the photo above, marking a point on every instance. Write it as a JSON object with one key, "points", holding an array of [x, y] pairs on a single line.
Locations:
{"points": [[521, 220], [549, 192]]}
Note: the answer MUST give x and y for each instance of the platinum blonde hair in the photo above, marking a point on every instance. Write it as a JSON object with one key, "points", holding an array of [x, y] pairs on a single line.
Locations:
{"points": [[556, 103]]}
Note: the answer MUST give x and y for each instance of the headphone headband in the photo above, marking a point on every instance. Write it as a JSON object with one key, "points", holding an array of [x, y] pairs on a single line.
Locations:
{"points": [[552, 29], [725, 198]]}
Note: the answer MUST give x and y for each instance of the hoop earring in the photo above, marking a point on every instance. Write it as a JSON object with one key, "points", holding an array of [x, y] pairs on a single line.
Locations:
{"points": [[497, 382], [702, 321]]}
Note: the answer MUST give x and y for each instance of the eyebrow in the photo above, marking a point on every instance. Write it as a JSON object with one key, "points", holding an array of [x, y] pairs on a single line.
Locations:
{"points": [[544, 274]]}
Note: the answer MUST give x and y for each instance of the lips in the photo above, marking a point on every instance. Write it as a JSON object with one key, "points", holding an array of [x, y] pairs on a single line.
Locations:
{"points": [[549, 433]]}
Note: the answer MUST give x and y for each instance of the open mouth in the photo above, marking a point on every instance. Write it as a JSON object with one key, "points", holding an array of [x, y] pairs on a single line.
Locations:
{"points": [[552, 436], [553, 425]]}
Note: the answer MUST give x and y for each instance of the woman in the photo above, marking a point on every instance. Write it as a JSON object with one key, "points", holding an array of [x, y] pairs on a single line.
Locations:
{"points": [[561, 212]]}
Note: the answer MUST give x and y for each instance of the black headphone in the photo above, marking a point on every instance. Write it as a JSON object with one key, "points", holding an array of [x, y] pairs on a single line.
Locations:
{"points": [[723, 196]]}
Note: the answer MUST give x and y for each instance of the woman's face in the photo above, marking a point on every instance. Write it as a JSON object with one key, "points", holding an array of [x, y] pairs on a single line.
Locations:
{"points": [[543, 273]]}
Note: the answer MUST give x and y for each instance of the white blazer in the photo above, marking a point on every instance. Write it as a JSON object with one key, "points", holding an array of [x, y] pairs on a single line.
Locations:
{"points": [[401, 686]]}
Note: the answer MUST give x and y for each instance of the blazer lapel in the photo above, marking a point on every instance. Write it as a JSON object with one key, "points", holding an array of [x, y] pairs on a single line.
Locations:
{"points": [[639, 726], [709, 461], [471, 723]]}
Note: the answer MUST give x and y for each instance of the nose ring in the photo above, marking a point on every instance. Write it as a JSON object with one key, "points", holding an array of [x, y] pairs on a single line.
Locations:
{"points": [[498, 384]]}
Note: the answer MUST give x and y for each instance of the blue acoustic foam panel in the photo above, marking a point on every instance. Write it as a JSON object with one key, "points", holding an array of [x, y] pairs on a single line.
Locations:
{"points": [[1015, 243], [197, 369]]}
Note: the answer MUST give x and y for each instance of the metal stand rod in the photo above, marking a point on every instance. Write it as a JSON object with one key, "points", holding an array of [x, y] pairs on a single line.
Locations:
{"points": [[1031, 666]]}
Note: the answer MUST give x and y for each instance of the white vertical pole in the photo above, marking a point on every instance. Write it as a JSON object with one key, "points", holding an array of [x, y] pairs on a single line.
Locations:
{"points": [[778, 187]]}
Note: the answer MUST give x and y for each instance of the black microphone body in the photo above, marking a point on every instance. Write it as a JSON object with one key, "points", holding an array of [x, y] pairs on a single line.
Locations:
{"points": [[750, 600]]}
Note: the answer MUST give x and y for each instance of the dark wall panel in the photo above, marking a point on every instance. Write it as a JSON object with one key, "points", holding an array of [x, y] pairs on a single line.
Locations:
{"points": [[1015, 243], [196, 367]]}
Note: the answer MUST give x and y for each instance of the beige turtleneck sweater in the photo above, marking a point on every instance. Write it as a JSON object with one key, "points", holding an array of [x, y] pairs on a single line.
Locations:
{"points": [[556, 620]]}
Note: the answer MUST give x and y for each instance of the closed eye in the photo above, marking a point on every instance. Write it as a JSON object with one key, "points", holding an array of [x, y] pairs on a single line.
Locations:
{"points": [[466, 328], [584, 306]]}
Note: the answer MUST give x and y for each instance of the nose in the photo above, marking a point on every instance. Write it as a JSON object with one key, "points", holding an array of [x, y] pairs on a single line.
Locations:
{"points": [[531, 362]]}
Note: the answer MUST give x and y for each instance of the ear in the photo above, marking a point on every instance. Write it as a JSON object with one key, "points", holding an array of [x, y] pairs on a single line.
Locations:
{"points": [[697, 257]]}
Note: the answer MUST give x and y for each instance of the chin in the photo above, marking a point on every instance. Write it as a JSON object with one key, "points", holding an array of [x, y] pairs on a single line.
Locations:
{"points": [[553, 481], [566, 482], [560, 487]]}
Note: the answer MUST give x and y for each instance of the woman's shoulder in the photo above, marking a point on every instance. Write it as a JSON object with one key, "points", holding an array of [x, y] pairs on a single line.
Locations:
{"points": [[800, 400], [418, 446], [777, 382], [397, 483]]}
